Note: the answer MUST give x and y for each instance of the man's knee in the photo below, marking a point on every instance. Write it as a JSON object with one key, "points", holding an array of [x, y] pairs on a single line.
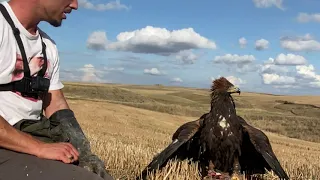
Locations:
{"points": [[23, 166]]}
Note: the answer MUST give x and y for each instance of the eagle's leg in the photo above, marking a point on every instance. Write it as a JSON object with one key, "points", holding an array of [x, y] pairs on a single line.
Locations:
{"points": [[211, 174], [236, 173]]}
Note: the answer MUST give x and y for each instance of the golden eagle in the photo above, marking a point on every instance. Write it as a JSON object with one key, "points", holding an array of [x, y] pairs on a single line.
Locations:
{"points": [[221, 140]]}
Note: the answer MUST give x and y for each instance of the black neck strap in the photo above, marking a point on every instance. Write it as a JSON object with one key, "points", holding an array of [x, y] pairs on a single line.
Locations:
{"points": [[16, 33]]}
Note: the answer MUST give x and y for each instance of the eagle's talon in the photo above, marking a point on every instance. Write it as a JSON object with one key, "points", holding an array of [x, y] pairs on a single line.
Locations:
{"points": [[212, 175], [236, 176]]}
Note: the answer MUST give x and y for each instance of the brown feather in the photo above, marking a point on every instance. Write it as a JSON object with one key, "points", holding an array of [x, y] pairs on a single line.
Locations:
{"points": [[187, 130], [184, 145], [257, 152]]}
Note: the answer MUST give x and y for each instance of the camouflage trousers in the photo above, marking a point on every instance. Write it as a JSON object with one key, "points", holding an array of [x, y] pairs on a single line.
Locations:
{"points": [[46, 130], [16, 166]]}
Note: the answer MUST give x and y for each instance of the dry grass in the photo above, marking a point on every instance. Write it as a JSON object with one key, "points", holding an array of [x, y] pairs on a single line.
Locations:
{"points": [[267, 112], [127, 137]]}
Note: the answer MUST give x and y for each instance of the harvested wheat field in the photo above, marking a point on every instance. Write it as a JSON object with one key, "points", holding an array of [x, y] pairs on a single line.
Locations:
{"points": [[127, 125]]}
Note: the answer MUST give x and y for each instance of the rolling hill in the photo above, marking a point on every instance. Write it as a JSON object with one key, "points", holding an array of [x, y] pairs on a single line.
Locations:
{"points": [[128, 124]]}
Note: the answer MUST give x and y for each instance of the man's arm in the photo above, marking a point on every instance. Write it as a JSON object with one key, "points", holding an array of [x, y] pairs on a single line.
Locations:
{"points": [[19, 141], [54, 101], [13, 139], [16, 140]]}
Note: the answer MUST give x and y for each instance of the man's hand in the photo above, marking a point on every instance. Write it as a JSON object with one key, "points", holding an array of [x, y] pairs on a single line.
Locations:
{"points": [[64, 152], [72, 129], [57, 109]]}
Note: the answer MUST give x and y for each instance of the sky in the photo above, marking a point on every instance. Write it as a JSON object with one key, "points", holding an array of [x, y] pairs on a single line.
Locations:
{"points": [[269, 46]]}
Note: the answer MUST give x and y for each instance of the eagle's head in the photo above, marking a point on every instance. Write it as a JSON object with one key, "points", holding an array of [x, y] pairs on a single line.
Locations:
{"points": [[222, 86], [222, 89]]}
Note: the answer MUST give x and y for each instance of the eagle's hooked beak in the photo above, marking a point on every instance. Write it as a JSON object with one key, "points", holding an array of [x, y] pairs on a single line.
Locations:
{"points": [[234, 89]]}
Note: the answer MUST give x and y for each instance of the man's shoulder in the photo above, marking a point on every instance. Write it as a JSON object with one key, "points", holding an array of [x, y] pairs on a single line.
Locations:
{"points": [[2, 26], [3, 22], [47, 38], [50, 43], [2, 19]]}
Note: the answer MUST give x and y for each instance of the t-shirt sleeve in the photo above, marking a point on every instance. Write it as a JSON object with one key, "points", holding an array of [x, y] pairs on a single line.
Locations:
{"points": [[5, 52], [1, 36], [55, 82]]}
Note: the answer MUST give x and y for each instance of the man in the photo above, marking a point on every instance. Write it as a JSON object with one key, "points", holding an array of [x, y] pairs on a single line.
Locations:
{"points": [[33, 145]]}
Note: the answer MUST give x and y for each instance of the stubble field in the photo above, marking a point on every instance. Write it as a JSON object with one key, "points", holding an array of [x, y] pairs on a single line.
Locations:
{"points": [[128, 124]]}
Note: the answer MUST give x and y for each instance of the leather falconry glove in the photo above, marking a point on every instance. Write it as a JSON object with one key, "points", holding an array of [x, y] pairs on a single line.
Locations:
{"points": [[71, 129]]}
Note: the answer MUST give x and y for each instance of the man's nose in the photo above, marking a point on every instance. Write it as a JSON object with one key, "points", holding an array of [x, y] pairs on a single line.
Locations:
{"points": [[74, 4]]}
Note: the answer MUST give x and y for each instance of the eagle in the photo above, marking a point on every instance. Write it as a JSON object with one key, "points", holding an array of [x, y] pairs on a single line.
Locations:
{"points": [[220, 140]]}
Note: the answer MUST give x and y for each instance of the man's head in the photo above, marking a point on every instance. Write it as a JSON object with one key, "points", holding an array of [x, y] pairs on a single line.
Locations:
{"points": [[51, 11], [54, 11]]}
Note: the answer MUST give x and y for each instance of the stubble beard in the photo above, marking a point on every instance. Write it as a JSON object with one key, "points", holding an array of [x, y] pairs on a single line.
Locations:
{"points": [[55, 23]]}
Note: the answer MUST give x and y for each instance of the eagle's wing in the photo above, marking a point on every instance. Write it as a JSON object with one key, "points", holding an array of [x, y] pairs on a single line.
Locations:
{"points": [[262, 147], [181, 145]]}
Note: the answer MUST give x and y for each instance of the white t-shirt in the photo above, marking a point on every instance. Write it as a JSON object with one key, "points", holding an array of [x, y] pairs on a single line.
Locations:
{"points": [[14, 107]]}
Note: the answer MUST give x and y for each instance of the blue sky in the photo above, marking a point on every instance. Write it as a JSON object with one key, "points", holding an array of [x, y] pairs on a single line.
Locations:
{"points": [[267, 46]]}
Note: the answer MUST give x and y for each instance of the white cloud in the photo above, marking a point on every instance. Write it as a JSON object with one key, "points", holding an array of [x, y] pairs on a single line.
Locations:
{"points": [[281, 77], [304, 43], [245, 68], [153, 71], [176, 79], [289, 59], [286, 86], [154, 40], [187, 57], [269, 61], [242, 42], [261, 44], [268, 3], [236, 81], [113, 5], [113, 69], [97, 40], [307, 72], [273, 69], [239, 63], [315, 84], [90, 74], [234, 59], [308, 76], [275, 79], [305, 17]]}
